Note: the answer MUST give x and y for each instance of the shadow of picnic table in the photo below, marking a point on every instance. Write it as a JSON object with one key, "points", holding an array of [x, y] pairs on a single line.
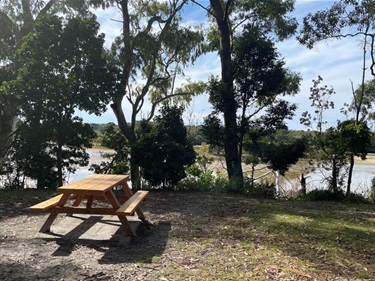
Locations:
{"points": [[150, 242]]}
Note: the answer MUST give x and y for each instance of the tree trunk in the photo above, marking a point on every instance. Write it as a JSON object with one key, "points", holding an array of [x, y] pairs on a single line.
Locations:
{"points": [[59, 165], [303, 184], [334, 176], [232, 156], [276, 174], [351, 166]]}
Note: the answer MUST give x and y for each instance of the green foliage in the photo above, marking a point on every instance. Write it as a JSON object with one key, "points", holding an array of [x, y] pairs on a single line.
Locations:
{"points": [[72, 74], [207, 181], [230, 20], [356, 138], [323, 195], [367, 93], [344, 18], [281, 155], [253, 189], [320, 97], [259, 71], [214, 131], [164, 151], [328, 195], [356, 199], [260, 77], [335, 145], [201, 178]]}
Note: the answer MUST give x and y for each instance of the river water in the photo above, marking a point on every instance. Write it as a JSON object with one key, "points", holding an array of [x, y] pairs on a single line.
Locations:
{"points": [[361, 180]]}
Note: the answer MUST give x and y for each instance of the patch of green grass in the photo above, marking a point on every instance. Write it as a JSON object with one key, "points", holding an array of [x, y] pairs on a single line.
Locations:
{"points": [[239, 238]]}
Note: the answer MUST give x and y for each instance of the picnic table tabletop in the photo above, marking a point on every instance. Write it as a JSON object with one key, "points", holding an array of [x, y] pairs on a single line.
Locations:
{"points": [[98, 183]]}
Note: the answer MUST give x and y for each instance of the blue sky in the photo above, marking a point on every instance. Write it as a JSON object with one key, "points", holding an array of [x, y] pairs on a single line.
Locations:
{"points": [[339, 62]]}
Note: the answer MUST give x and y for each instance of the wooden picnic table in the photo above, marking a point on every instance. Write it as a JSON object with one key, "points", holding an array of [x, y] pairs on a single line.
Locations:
{"points": [[89, 190]]}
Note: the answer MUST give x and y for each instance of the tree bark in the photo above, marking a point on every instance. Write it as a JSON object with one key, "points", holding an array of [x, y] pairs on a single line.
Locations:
{"points": [[351, 166], [232, 156], [303, 184], [334, 176]]}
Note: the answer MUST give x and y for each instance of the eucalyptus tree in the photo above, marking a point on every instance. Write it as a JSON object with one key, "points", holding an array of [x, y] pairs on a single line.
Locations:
{"points": [[227, 21], [344, 19], [150, 52]]}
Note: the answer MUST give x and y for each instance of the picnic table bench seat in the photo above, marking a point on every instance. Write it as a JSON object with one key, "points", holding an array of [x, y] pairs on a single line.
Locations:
{"points": [[130, 206], [47, 204]]}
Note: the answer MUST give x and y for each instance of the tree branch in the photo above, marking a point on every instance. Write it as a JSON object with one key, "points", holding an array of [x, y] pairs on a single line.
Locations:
{"points": [[227, 7], [155, 104], [372, 55], [207, 9]]}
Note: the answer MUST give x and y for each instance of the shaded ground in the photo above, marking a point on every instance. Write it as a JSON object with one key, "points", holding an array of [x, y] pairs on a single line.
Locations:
{"points": [[197, 236]]}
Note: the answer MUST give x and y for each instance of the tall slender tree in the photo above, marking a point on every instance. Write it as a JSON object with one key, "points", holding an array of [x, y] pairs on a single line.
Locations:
{"points": [[229, 17]]}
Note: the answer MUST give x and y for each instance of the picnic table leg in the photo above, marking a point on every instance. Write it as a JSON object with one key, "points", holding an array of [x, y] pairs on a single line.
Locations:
{"points": [[52, 216], [129, 194], [47, 225], [89, 202], [76, 203], [124, 221]]}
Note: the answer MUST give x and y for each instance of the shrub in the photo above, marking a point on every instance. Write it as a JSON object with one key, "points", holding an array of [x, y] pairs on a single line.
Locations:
{"points": [[322, 195], [372, 191], [356, 198], [262, 189], [204, 182], [327, 195]]}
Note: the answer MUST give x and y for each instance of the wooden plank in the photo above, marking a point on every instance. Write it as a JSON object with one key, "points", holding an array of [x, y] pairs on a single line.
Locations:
{"points": [[52, 216], [98, 183], [124, 221], [45, 205], [132, 203], [84, 210]]}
